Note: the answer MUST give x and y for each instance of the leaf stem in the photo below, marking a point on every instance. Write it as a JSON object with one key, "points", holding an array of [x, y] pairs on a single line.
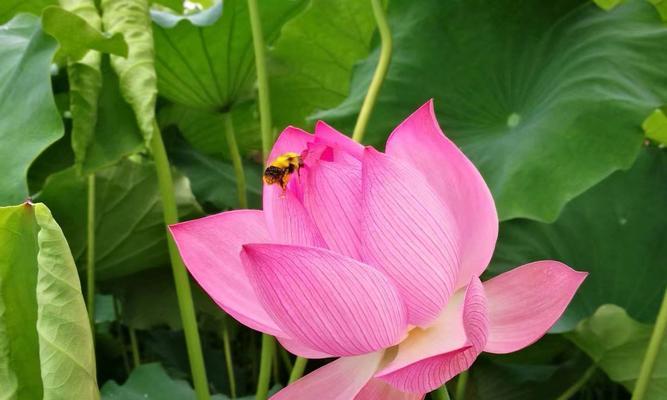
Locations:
{"points": [[646, 370], [236, 160], [90, 253], [461, 384], [121, 336], [181, 281], [134, 345], [268, 346], [297, 370], [380, 71], [228, 359], [572, 390], [440, 393], [262, 78]]}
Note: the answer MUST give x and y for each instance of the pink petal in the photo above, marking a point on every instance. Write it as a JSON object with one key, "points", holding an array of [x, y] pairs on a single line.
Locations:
{"points": [[210, 248], [328, 302], [298, 348], [408, 234], [419, 141], [327, 135], [377, 389], [428, 370], [332, 195], [526, 301], [288, 221], [339, 380], [291, 139]]}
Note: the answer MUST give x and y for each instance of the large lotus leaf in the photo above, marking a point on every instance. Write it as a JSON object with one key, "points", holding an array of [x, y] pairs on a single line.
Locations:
{"points": [[46, 347], [30, 121], [213, 180], [312, 60], [208, 62], [129, 231], [617, 231], [9, 8], [546, 98], [617, 343], [151, 382], [205, 130]]}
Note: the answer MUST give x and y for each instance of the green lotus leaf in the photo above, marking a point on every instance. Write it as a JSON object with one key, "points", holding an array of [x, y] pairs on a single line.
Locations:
{"points": [[30, 121], [617, 231], [547, 100], [617, 344], [129, 231]]}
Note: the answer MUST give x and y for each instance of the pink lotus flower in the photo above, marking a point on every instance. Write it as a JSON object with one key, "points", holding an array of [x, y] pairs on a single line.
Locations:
{"points": [[375, 258]]}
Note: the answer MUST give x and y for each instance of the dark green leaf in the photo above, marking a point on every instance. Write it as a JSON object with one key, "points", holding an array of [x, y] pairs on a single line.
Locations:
{"points": [[151, 382], [617, 231], [533, 93], [205, 130], [214, 181], [617, 343], [46, 347], [311, 62], [129, 233], [30, 121], [209, 64]]}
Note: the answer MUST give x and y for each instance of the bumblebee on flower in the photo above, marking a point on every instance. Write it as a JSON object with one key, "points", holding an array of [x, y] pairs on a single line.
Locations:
{"points": [[344, 262]]}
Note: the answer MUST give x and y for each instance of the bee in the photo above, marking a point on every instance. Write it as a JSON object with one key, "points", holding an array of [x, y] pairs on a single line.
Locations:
{"points": [[281, 169]]}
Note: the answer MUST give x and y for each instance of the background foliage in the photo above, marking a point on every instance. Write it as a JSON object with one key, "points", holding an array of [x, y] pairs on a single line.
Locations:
{"points": [[560, 105]]}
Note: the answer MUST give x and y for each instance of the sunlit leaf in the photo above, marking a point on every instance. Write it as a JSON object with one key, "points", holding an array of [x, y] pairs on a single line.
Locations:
{"points": [[533, 92], [655, 126], [311, 62], [617, 231], [136, 73], [9, 8], [79, 32], [617, 343], [46, 347], [129, 232], [29, 120]]}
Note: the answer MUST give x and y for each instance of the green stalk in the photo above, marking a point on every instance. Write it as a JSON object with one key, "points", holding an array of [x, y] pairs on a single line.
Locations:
{"points": [[440, 393], [262, 78], [572, 390], [236, 160], [134, 345], [268, 347], [181, 281], [299, 367], [658, 335], [287, 363], [461, 383], [228, 359], [380, 71], [90, 253], [268, 343]]}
